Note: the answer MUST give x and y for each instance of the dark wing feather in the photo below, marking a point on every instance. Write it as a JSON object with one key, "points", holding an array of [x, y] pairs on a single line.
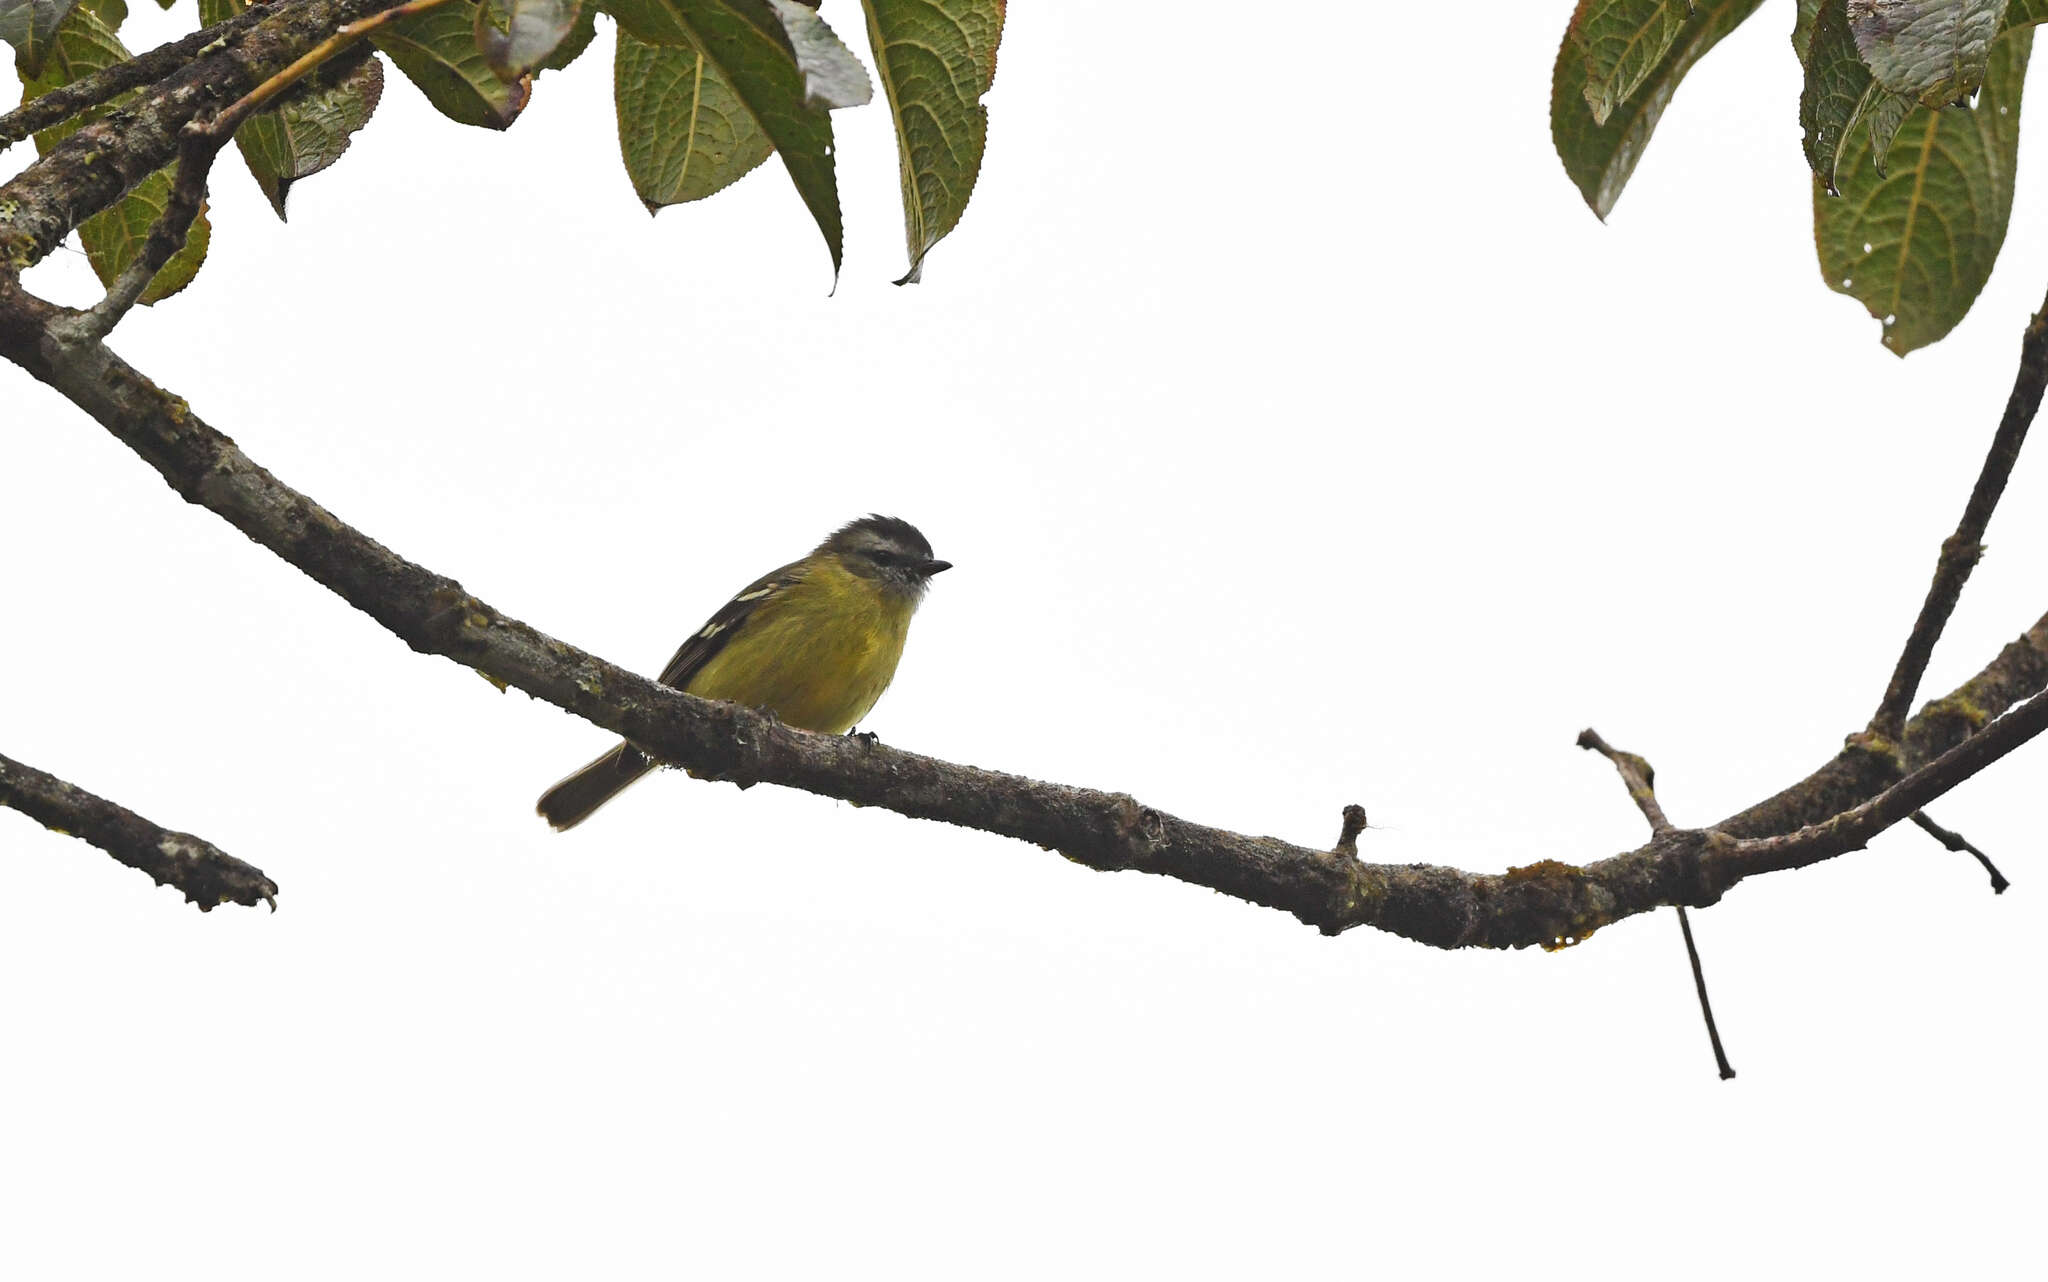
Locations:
{"points": [[723, 626]]}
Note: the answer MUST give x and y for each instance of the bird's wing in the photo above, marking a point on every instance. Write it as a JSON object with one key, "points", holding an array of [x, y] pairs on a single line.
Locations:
{"points": [[723, 626]]}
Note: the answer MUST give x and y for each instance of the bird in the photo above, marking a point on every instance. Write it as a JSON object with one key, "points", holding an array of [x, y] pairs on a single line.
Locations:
{"points": [[814, 642]]}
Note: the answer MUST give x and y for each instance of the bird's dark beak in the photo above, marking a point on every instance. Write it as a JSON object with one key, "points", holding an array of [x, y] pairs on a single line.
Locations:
{"points": [[929, 568]]}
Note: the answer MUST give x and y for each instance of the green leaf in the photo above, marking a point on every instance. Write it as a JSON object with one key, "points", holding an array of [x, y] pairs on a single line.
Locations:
{"points": [[111, 12], [1624, 40], [436, 50], [309, 133], [581, 33], [1600, 157], [1839, 94], [517, 37], [79, 46], [1802, 28], [31, 27], [936, 59], [113, 237], [1931, 50], [833, 77], [1916, 246], [785, 68], [759, 43], [683, 131], [1885, 116]]}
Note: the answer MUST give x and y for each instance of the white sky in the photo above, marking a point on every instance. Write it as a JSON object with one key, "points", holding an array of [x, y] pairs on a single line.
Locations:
{"points": [[1300, 439]]}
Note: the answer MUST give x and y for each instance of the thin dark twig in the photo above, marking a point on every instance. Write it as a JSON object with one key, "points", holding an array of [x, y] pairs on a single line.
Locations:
{"points": [[208, 875], [1699, 983], [1961, 550], [1640, 779], [59, 105], [1956, 842]]}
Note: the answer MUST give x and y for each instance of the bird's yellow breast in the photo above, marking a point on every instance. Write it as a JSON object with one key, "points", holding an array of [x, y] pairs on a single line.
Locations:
{"points": [[817, 654]]}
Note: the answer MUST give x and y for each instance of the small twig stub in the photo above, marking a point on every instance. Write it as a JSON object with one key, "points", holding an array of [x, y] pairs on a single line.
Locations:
{"points": [[1955, 841], [1636, 776], [1347, 836]]}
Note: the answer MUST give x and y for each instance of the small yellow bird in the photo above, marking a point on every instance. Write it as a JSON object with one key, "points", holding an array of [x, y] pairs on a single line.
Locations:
{"points": [[815, 642]]}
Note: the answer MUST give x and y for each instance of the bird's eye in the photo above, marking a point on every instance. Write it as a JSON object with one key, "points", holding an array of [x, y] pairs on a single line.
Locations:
{"points": [[883, 556]]}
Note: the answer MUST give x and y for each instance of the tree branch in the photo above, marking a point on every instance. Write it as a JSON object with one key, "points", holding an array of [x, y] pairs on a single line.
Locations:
{"points": [[1960, 552], [1445, 907], [59, 105], [206, 874]]}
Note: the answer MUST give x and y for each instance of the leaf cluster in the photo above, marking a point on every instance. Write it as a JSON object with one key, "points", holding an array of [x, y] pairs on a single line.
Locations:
{"points": [[1909, 114], [706, 91]]}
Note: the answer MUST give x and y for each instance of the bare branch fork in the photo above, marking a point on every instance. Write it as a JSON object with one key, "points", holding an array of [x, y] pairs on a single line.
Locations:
{"points": [[1874, 782], [1960, 553]]}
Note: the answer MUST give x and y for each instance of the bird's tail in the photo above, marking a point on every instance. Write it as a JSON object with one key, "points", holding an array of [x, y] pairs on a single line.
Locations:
{"points": [[571, 801]]}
